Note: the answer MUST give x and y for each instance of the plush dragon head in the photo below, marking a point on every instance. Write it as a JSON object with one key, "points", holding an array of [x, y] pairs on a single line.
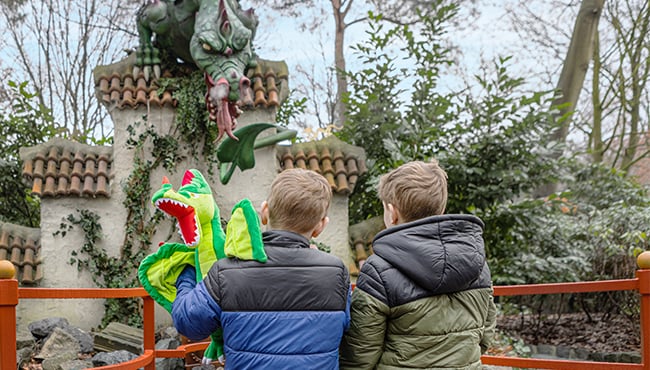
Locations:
{"points": [[192, 206]]}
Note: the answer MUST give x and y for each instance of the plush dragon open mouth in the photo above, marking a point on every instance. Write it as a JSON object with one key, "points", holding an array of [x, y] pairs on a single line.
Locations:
{"points": [[188, 221], [192, 206]]}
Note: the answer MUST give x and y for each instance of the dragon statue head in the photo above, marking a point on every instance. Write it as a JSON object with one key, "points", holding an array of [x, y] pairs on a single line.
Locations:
{"points": [[222, 47]]}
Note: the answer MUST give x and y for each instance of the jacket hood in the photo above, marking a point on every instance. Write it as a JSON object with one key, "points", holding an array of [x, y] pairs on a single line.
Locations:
{"points": [[441, 254]]}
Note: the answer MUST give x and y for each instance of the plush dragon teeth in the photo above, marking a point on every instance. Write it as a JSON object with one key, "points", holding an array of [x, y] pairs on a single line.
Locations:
{"points": [[163, 201], [197, 235]]}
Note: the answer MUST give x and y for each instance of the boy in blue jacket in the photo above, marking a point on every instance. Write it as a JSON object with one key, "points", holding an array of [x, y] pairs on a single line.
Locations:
{"points": [[287, 313]]}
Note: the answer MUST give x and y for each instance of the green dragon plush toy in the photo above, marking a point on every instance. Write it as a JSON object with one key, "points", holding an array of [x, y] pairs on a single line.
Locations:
{"points": [[204, 241]]}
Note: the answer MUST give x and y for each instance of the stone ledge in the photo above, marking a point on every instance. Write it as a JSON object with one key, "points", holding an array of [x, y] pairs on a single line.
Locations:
{"points": [[581, 354]]}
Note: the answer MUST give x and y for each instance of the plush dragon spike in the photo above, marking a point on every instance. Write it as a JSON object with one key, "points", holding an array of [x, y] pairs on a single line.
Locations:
{"points": [[204, 242]]}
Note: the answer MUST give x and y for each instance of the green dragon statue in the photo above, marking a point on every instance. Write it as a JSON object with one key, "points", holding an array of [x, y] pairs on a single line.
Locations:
{"points": [[204, 241], [213, 35]]}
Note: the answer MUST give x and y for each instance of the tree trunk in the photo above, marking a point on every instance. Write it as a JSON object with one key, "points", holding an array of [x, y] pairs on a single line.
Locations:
{"points": [[639, 77], [339, 61], [576, 63], [596, 138], [572, 76]]}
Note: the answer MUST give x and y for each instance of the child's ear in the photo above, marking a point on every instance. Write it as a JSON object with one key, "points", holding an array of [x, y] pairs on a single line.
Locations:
{"points": [[265, 213], [393, 214], [320, 227]]}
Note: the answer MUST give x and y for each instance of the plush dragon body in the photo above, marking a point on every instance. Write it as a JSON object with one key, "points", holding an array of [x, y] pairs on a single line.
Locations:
{"points": [[213, 35], [204, 242]]}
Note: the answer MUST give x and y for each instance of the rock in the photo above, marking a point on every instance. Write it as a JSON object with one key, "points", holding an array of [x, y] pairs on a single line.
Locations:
{"points": [[55, 362], [169, 332], [59, 342], [42, 328], [76, 365], [24, 339], [112, 358], [84, 338], [169, 363], [117, 336], [24, 355]]}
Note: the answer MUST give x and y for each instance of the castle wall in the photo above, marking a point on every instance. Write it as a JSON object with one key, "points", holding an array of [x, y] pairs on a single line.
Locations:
{"points": [[56, 250]]}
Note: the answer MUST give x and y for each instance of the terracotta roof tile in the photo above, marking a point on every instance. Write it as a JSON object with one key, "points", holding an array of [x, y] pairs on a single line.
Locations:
{"points": [[21, 246], [62, 168], [361, 236], [116, 85], [340, 163]]}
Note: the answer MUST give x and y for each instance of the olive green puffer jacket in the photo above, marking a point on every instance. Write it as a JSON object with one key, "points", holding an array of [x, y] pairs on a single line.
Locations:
{"points": [[423, 300]]}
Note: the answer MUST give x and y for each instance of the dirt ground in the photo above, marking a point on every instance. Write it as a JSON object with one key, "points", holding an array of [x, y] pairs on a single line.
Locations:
{"points": [[602, 334]]}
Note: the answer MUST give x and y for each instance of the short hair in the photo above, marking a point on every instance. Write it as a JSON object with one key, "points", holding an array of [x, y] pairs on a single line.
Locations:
{"points": [[299, 199], [417, 189]]}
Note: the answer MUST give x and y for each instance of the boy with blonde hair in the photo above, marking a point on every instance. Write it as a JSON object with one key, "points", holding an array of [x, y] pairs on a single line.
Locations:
{"points": [[287, 313], [424, 298]]}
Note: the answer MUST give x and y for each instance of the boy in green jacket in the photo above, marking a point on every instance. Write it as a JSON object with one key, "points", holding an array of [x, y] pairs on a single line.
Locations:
{"points": [[424, 298]]}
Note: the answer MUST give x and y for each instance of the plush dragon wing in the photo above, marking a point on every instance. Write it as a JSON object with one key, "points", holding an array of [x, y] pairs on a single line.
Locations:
{"points": [[244, 233]]}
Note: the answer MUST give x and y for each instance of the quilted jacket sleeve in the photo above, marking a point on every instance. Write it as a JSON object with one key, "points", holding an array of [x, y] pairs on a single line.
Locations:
{"points": [[195, 313], [490, 326], [362, 345]]}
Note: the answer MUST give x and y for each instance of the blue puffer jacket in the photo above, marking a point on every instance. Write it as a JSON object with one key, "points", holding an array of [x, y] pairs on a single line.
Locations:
{"points": [[288, 313]]}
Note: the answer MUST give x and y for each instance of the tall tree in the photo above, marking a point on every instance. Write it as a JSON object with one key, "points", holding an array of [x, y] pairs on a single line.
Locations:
{"points": [[345, 15], [23, 122], [607, 118], [55, 45], [576, 63]]}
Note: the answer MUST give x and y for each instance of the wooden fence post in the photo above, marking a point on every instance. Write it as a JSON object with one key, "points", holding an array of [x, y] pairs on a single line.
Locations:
{"points": [[644, 289], [8, 303], [148, 328]]}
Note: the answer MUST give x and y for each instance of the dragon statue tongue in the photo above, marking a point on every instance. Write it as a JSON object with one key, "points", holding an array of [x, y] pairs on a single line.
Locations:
{"points": [[222, 110]]}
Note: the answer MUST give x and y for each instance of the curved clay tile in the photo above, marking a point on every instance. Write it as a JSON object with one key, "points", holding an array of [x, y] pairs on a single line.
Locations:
{"points": [[128, 92], [167, 99], [37, 186], [312, 158], [16, 250], [4, 240], [258, 87], [28, 275], [341, 169], [115, 88], [50, 187], [271, 88], [39, 166], [28, 169], [89, 186], [65, 174]]}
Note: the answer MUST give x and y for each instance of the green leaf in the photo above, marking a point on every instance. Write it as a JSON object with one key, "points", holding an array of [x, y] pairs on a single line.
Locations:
{"points": [[239, 153]]}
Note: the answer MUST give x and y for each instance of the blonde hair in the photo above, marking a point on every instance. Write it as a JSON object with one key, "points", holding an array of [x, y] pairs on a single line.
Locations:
{"points": [[417, 189], [299, 199]]}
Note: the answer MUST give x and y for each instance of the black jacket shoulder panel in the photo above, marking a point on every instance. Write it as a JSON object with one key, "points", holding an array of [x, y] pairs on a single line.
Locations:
{"points": [[432, 256]]}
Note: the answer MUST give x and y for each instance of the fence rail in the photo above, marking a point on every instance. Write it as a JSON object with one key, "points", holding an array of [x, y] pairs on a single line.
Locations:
{"points": [[10, 294]]}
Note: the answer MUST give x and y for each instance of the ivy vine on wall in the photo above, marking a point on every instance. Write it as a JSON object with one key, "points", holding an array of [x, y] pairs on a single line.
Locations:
{"points": [[151, 151]]}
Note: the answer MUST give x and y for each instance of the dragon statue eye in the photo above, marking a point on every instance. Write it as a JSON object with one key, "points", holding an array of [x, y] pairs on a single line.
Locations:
{"points": [[206, 46]]}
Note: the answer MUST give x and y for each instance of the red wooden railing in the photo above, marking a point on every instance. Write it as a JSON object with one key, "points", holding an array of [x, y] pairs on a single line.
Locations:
{"points": [[640, 283], [10, 294]]}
